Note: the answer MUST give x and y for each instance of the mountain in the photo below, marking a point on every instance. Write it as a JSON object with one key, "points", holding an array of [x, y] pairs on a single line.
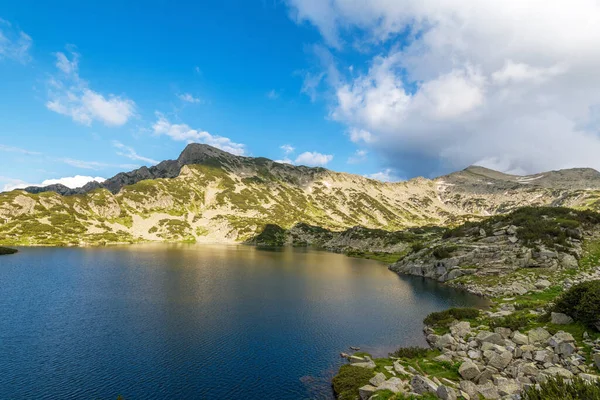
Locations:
{"points": [[209, 195]]}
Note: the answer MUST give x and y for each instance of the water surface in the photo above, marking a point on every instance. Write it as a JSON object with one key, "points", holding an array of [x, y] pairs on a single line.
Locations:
{"points": [[198, 322]]}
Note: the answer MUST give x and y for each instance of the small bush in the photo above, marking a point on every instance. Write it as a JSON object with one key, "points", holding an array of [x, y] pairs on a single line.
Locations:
{"points": [[582, 303], [559, 389], [349, 379], [513, 321], [445, 318], [444, 252], [417, 246], [410, 352], [6, 250]]}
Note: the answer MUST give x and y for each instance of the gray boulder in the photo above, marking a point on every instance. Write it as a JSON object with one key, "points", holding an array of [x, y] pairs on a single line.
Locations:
{"points": [[519, 338], [501, 361], [488, 391], [461, 329], [490, 337], [470, 389], [422, 385], [393, 384], [538, 335], [378, 379], [446, 393], [468, 370], [597, 360], [561, 319], [366, 392]]}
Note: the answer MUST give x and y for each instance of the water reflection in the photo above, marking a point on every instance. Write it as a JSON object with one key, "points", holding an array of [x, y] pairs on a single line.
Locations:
{"points": [[188, 321]]}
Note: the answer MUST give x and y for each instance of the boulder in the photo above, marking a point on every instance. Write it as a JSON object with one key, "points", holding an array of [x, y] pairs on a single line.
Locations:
{"points": [[422, 385], [446, 341], [366, 392], [519, 338], [566, 349], [561, 319], [461, 329], [508, 388], [446, 393], [490, 337], [393, 384], [378, 379], [504, 332], [529, 369], [468, 370], [538, 335], [470, 389], [597, 360], [501, 361], [557, 371], [559, 338], [488, 391], [543, 284], [370, 364]]}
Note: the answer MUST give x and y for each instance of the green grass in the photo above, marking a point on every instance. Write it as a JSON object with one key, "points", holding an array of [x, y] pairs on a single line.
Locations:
{"points": [[560, 389], [388, 258], [349, 379]]}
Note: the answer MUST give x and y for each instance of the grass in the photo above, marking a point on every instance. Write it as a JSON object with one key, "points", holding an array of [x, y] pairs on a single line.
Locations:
{"points": [[443, 319], [560, 389], [388, 258], [349, 379]]}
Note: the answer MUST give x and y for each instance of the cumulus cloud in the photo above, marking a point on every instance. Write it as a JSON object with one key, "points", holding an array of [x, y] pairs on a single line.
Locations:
{"points": [[313, 159], [387, 175], [183, 132], [69, 181], [358, 157], [130, 153], [507, 84], [287, 149], [188, 98], [70, 95], [14, 43]]}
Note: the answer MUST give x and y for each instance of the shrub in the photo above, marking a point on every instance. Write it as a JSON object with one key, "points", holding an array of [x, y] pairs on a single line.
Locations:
{"points": [[513, 321], [446, 317], [349, 379], [582, 303], [417, 246], [559, 389], [444, 251], [6, 250], [410, 352]]}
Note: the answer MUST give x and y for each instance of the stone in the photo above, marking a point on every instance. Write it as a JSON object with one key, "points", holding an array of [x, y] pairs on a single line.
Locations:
{"points": [[422, 385], [504, 332], [469, 388], [589, 378], [597, 360], [443, 358], [513, 239], [446, 393], [501, 361], [393, 384], [542, 356], [519, 338], [508, 388], [490, 337], [378, 379], [366, 392], [558, 371], [468, 370], [559, 338], [538, 335], [511, 230], [446, 341], [461, 329], [566, 349], [370, 364], [543, 284], [488, 391], [485, 375], [399, 368], [474, 354], [482, 232], [529, 369], [561, 319]]}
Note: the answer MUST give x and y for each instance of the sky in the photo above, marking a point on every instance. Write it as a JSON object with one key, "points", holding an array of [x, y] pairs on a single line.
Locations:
{"points": [[386, 89]]}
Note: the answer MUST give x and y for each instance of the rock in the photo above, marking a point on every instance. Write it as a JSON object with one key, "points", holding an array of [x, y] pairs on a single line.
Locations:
{"points": [[393, 384], [488, 391], [468, 370], [559, 338], [461, 329], [474, 354], [589, 378], [566, 349], [378, 379], [446, 341], [557, 371], [511, 230], [508, 388], [561, 319], [399, 368], [469, 388], [422, 385], [543, 284], [504, 332], [443, 358], [501, 361], [519, 338], [529, 369], [370, 364], [366, 392], [542, 356], [446, 393], [486, 375], [538, 335], [597, 360], [513, 239], [490, 337]]}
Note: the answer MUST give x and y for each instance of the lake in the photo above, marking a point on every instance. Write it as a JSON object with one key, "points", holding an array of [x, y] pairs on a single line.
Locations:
{"points": [[198, 321]]}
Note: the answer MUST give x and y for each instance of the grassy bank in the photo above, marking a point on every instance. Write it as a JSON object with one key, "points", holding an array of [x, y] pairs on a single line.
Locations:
{"points": [[6, 251]]}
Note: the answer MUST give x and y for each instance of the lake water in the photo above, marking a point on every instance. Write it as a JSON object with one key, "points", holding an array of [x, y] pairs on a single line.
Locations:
{"points": [[198, 322]]}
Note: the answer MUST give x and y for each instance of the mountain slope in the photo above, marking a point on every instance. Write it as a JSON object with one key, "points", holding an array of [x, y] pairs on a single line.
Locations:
{"points": [[210, 195]]}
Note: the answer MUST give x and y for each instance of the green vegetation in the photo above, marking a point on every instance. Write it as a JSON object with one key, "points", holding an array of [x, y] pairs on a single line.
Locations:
{"points": [[388, 258], [444, 318], [410, 352], [349, 379], [561, 389], [272, 236], [6, 250], [582, 303], [444, 251], [514, 321]]}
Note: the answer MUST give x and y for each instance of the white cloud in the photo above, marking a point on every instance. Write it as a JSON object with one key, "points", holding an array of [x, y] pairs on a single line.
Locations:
{"points": [[183, 132], [509, 84], [358, 157], [11, 149], [14, 43], [273, 94], [72, 182], [313, 159], [188, 98], [71, 96], [285, 161], [287, 149], [130, 153], [386, 175]]}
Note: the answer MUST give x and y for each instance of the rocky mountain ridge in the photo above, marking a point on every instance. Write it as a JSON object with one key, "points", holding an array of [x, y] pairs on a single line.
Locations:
{"points": [[208, 195]]}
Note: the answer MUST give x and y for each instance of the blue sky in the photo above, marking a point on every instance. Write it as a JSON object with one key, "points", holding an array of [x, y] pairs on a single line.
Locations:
{"points": [[231, 68], [386, 89]]}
